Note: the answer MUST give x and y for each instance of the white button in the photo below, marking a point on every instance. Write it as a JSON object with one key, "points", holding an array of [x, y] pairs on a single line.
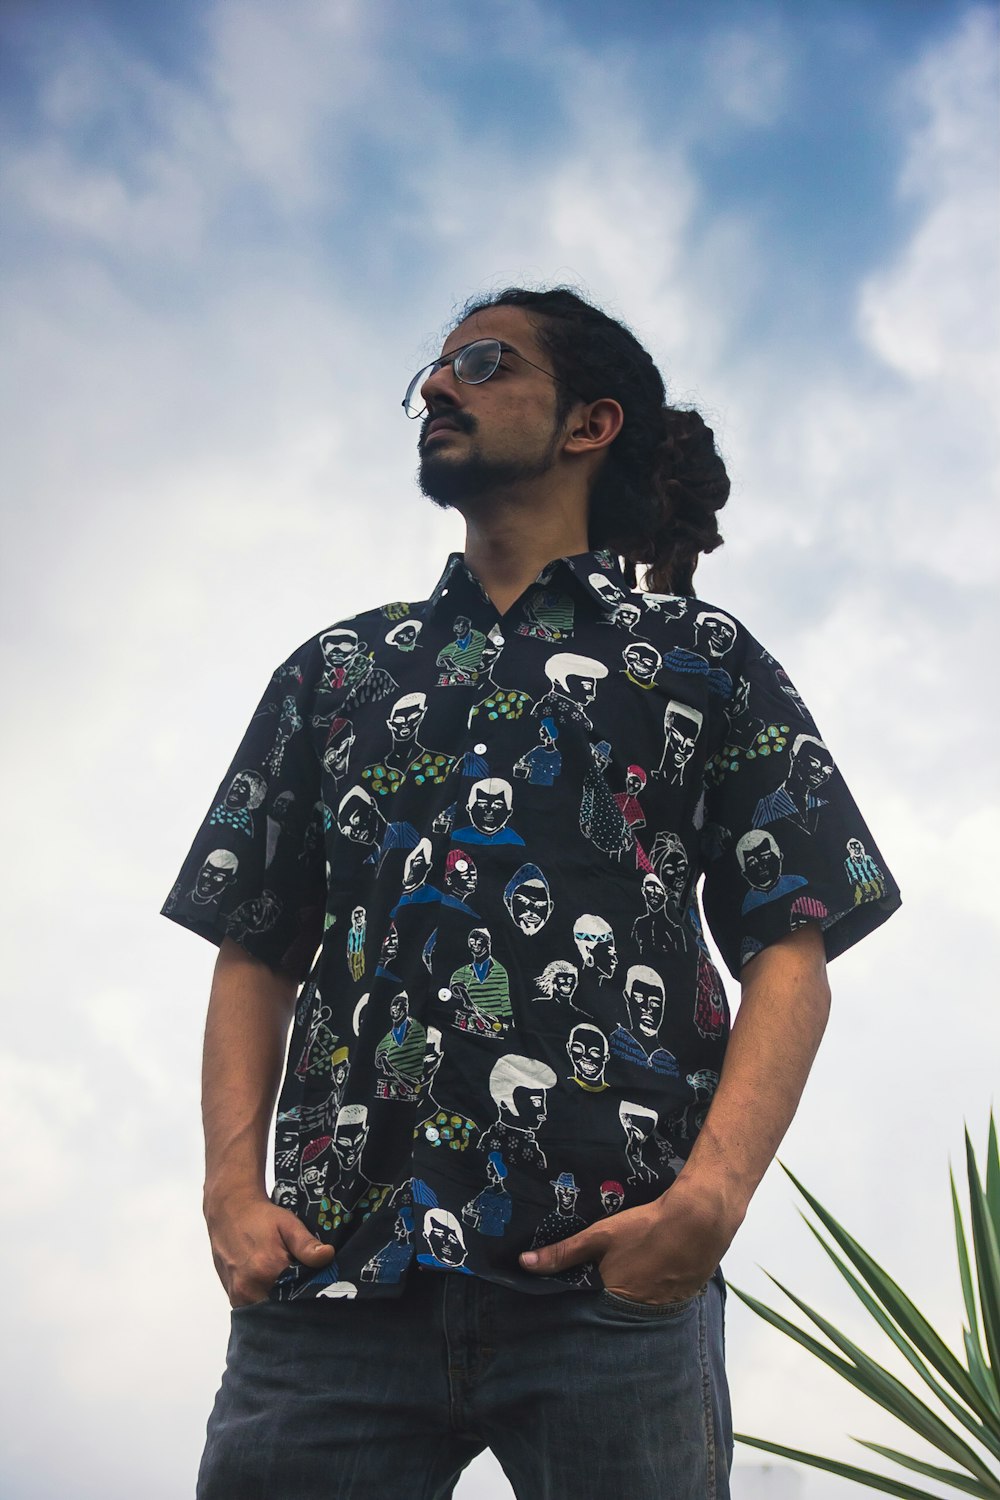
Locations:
{"points": [[479, 749], [444, 994]]}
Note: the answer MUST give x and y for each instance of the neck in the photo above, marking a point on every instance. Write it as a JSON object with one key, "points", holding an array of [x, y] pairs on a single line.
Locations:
{"points": [[508, 547]]}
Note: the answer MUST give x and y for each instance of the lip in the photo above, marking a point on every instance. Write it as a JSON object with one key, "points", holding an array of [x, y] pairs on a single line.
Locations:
{"points": [[439, 425]]}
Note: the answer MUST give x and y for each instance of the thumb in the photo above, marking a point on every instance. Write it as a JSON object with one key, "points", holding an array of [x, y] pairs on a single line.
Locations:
{"points": [[303, 1246], [563, 1254]]}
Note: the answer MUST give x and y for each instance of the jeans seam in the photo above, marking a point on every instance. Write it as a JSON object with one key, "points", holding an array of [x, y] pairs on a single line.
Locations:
{"points": [[706, 1392]]}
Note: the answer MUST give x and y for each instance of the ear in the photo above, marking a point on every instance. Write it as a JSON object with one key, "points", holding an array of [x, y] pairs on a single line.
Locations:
{"points": [[594, 427]]}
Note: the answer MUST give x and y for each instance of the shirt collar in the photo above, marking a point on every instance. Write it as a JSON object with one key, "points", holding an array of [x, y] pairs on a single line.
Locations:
{"points": [[597, 573]]}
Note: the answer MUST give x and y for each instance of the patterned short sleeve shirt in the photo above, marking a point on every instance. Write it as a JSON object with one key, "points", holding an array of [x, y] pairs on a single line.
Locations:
{"points": [[480, 841]]}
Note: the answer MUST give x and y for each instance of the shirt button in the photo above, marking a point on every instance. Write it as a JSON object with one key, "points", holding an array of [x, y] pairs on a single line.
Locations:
{"points": [[444, 994]]}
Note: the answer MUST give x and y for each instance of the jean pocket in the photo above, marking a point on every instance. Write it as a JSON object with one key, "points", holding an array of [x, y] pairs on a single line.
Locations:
{"points": [[647, 1311]]}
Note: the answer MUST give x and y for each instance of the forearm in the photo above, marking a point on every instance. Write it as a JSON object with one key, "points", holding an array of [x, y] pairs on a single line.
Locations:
{"points": [[783, 1013], [245, 1036]]}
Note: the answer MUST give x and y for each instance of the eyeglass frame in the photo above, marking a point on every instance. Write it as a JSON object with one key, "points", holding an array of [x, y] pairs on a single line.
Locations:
{"points": [[449, 359]]}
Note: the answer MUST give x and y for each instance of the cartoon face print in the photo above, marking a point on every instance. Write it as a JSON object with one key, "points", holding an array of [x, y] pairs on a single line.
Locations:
{"points": [[490, 805], [612, 1196], [626, 616], [444, 1238], [518, 1087], [337, 751], [489, 808], [216, 874], [681, 727], [759, 859], [714, 633], [404, 635], [642, 662], [247, 789], [480, 945], [588, 1050], [596, 943], [670, 606], [558, 981], [349, 1135], [528, 900], [609, 592], [390, 947], [433, 1055], [338, 646], [645, 997], [653, 892], [670, 861], [575, 677], [417, 865], [358, 819], [638, 1123], [406, 717], [313, 1168], [811, 764], [460, 875]]}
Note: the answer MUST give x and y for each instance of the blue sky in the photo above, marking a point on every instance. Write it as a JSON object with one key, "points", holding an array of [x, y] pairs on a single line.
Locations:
{"points": [[232, 231]]}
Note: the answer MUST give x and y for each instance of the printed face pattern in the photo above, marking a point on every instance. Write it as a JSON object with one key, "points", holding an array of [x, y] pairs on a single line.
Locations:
{"points": [[480, 844]]}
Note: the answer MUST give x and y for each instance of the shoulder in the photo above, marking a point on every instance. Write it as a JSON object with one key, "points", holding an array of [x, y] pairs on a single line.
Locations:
{"points": [[372, 632]]}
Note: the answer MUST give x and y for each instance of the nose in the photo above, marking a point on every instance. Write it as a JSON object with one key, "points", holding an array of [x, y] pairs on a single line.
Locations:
{"points": [[440, 388]]}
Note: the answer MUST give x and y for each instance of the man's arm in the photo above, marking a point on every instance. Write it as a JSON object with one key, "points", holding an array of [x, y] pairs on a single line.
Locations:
{"points": [[666, 1250], [252, 1240]]}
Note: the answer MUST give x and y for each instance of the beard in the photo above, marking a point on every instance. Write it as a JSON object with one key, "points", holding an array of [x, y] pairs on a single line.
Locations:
{"points": [[451, 482]]}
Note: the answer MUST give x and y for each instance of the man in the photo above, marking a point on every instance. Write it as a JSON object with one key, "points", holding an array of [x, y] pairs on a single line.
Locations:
{"points": [[592, 1366]]}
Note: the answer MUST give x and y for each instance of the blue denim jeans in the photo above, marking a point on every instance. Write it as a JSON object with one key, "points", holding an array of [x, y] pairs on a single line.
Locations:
{"points": [[580, 1395]]}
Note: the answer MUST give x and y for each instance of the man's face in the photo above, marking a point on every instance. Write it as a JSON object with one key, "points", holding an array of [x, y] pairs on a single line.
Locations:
{"points": [[461, 626], [564, 985], [636, 1130], [653, 893], [682, 734], [445, 1244], [716, 633], [405, 636], [478, 440], [627, 616], [405, 720], [488, 810], [337, 752], [313, 1180], [581, 690], [417, 867], [855, 848], [390, 944], [611, 1200], [529, 906], [338, 649], [566, 1197], [605, 956], [588, 1052], [398, 1009], [673, 870], [479, 944], [762, 865], [432, 1061], [814, 765], [528, 1107], [349, 1141], [212, 879], [461, 878], [633, 785], [645, 1002], [642, 662], [359, 821], [358, 918], [238, 794]]}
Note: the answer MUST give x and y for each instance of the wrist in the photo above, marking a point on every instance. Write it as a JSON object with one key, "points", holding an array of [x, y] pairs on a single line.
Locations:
{"points": [[712, 1197]]}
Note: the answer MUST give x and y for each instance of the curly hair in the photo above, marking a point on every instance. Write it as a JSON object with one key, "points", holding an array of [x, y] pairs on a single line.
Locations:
{"points": [[655, 497]]}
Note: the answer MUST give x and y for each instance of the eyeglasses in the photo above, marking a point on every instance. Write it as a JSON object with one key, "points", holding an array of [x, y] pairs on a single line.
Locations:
{"points": [[472, 364]]}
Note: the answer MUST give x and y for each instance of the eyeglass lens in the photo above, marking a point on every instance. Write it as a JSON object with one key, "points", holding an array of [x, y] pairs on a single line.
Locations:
{"points": [[472, 365]]}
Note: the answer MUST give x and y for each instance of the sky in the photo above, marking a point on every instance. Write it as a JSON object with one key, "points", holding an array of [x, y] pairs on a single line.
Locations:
{"points": [[232, 232]]}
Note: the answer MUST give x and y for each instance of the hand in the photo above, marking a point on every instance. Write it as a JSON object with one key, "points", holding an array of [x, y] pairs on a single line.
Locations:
{"points": [[664, 1251], [253, 1241]]}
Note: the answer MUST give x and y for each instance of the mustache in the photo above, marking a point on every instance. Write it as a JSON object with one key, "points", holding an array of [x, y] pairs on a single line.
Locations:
{"points": [[462, 421]]}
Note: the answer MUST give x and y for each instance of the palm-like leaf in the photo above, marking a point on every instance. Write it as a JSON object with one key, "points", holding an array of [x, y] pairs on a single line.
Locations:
{"points": [[969, 1392]]}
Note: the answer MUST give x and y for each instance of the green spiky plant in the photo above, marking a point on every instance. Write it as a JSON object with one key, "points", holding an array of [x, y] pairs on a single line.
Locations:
{"points": [[969, 1392]]}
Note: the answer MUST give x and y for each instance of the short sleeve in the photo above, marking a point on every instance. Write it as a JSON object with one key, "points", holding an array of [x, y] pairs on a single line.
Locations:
{"points": [[783, 841], [255, 871]]}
